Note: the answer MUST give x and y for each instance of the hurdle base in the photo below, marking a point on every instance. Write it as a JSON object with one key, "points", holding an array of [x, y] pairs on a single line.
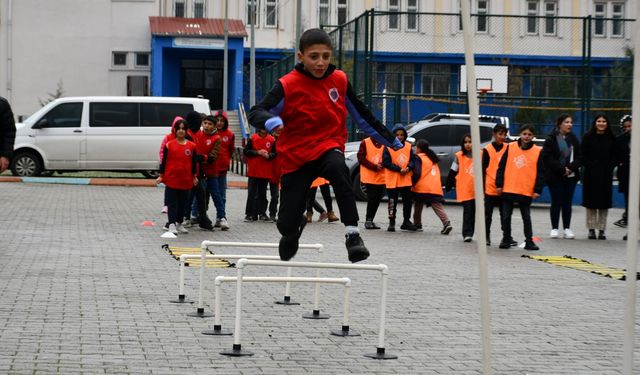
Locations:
{"points": [[237, 351], [344, 331], [380, 354], [200, 313], [286, 301], [316, 315], [181, 299], [217, 331]]}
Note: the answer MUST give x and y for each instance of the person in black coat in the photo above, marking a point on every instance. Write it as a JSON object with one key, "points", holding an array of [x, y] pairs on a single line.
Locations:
{"points": [[561, 158], [623, 152], [598, 159], [7, 134]]}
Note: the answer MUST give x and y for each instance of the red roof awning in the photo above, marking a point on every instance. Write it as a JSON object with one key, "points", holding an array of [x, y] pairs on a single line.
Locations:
{"points": [[205, 27]]}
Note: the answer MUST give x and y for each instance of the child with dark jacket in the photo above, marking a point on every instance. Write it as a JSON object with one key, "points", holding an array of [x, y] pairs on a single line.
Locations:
{"points": [[461, 176], [310, 104], [519, 180]]}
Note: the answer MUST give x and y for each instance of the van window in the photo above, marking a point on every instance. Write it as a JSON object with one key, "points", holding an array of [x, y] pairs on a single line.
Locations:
{"points": [[486, 133], [113, 114], [436, 135], [162, 114], [65, 115]]}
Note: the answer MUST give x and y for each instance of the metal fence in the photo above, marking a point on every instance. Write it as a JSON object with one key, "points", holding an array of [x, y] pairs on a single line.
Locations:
{"points": [[404, 65]]}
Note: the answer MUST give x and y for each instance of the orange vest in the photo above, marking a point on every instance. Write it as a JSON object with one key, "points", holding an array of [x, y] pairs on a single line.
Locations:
{"points": [[429, 182], [464, 178], [492, 168], [318, 182], [400, 158], [374, 155], [521, 170]]}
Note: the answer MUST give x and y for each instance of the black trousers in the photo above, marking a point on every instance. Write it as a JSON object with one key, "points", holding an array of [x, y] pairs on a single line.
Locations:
{"points": [[405, 193], [468, 218], [491, 201], [374, 196], [274, 190], [176, 201], [524, 202], [256, 197], [295, 186]]}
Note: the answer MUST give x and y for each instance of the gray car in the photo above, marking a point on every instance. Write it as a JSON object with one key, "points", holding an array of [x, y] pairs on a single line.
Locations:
{"points": [[444, 133]]}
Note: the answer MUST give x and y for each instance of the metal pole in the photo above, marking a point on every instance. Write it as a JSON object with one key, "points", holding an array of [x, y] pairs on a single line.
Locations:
{"points": [[298, 24], [252, 57], [225, 78], [632, 215], [478, 185]]}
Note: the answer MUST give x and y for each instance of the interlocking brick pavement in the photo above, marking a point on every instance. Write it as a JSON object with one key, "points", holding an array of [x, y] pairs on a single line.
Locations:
{"points": [[84, 288]]}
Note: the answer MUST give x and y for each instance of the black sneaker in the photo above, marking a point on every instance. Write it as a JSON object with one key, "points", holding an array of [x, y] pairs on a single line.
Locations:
{"points": [[264, 218], [592, 234], [513, 242], [370, 225], [529, 245], [206, 225], [408, 226], [446, 229], [289, 243], [505, 243], [355, 247], [601, 235], [392, 225], [418, 227], [248, 219]]}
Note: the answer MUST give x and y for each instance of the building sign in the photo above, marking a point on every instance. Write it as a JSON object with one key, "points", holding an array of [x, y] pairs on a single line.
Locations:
{"points": [[198, 43]]}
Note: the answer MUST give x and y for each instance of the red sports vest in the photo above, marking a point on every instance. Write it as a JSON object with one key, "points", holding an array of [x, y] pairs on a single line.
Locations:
{"points": [[492, 168], [177, 171], [204, 145], [314, 117], [429, 182], [257, 166], [226, 150], [374, 155], [400, 158], [464, 178], [521, 170]]}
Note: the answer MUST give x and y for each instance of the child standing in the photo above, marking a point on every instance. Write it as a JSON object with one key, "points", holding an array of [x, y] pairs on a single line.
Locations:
{"points": [[427, 186], [178, 173], [491, 155], [372, 175], [259, 151], [310, 104], [227, 147], [398, 165], [519, 181], [208, 145], [461, 175]]}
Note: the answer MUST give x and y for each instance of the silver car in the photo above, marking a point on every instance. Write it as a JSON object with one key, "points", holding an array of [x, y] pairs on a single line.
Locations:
{"points": [[443, 131]]}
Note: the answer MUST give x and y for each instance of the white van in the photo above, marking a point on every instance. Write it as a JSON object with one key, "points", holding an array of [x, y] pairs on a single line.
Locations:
{"points": [[98, 133]]}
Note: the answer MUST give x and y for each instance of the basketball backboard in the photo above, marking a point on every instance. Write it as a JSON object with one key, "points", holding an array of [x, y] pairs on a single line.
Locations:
{"points": [[489, 78]]}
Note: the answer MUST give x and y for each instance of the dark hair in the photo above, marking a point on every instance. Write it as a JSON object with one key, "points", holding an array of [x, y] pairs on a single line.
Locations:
{"points": [[177, 124], [314, 36], [529, 127], [423, 146], [561, 118], [209, 118], [462, 143], [607, 131], [499, 128]]}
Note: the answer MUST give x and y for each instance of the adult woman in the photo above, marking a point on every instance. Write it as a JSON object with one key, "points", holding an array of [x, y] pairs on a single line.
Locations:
{"points": [[598, 158], [561, 159]]}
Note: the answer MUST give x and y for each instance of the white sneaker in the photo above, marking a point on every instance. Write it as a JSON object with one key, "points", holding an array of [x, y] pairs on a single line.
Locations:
{"points": [[568, 234], [554, 233], [181, 229], [223, 224], [172, 228]]}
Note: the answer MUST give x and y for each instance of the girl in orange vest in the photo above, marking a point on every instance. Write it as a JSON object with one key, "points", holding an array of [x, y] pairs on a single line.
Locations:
{"points": [[398, 166], [462, 173], [427, 186], [519, 180], [372, 175]]}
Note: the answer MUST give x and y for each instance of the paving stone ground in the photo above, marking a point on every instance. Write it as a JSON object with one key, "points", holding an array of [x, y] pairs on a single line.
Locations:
{"points": [[84, 288]]}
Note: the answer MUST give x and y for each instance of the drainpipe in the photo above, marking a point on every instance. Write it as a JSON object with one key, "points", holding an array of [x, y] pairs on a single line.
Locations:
{"points": [[9, 50], [225, 79]]}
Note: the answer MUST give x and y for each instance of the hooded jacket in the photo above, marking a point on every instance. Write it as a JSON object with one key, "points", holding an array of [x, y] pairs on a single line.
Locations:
{"points": [[227, 145]]}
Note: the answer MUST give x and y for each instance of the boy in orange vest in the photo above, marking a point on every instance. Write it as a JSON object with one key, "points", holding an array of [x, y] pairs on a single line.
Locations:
{"points": [[461, 176], [427, 186], [372, 175], [519, 180]]}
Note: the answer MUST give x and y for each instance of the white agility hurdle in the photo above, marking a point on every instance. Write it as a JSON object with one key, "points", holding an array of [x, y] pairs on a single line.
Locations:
{"points": [[205, 245], [217, 325], [383, 269]]}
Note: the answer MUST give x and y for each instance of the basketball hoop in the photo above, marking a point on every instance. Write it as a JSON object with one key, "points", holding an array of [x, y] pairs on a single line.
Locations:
{"points": [[484, 90]]}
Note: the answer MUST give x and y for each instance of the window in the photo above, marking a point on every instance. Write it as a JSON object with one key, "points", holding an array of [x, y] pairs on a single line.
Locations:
{"points": [[65, 115], [600, 10], [436, 135], [394, 20], [323, 12], [532, 17], [482, 21], [137, 86], [271, 16], [550, 13], [400, 78], [179, 8], [119, 59], [617, 25], [113, 114], [142, 59], [161, 114], [255, 12], [343, 12], [436, 79], [198, 9], [412, 17]]}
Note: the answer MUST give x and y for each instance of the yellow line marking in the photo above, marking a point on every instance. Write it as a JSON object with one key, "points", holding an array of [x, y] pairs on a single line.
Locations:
{"points": [[582, 265]]}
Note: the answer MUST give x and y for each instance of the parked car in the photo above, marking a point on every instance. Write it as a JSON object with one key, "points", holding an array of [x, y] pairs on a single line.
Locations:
{"points": [[98, 133], [444, 133]]}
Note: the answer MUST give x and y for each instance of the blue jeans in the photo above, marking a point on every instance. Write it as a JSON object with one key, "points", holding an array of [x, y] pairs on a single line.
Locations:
{"points": [[561, 199], [213, 188]]}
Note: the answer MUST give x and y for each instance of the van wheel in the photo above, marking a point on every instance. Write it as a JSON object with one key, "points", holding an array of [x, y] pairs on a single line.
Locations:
{"points": [[26, 164], [359, 189], [151, 174]]}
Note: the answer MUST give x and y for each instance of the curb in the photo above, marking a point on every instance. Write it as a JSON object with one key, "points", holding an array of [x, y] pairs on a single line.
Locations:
{"points": [[131, 182]]}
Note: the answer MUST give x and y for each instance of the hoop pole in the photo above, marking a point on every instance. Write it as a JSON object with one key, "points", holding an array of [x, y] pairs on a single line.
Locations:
{"points": [[181, 280], [383, 311], [316, 297], [216, 304], [347, 310], [203, 255], [236, 333], [287, 286]]}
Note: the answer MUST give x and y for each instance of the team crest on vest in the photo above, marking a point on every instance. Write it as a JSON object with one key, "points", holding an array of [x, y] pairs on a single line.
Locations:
{"points": [[268, 144], [187, 152], [333, 94], [433, 171], [520, 161], [402, 158], [225, 139], [469, 171], [208, 142]]}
